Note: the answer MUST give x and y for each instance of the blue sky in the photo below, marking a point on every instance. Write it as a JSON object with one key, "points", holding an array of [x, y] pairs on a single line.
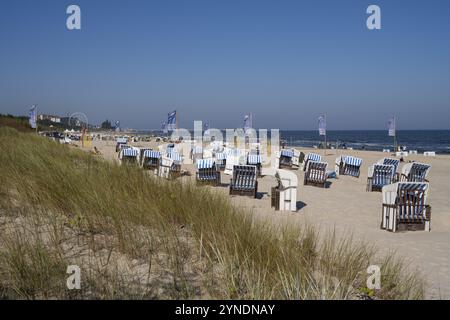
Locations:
{"points": [[214, 60]]}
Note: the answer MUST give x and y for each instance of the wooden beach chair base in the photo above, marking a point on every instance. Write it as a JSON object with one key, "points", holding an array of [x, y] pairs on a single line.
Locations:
{"points": [[399, 225], [241, 192]]}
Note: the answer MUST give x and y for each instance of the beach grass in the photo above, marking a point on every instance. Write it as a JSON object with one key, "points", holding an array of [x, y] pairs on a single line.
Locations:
{"points": [[136, 237]]}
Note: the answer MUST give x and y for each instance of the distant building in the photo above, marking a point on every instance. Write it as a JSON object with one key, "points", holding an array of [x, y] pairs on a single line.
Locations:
{"points": [[51, 118]]}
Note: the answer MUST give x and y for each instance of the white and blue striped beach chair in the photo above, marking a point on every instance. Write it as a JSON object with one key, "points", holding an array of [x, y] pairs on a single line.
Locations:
{"points": [[175, 169], [311, 157], [286, 156], [255, 160], [415, 172], [244, 181], [150, 159], [221, 160], [196, 153], [393, 162], [316, 174], [379, 175], [207, 172], [348, 165], [405, 207], [129, 156]]}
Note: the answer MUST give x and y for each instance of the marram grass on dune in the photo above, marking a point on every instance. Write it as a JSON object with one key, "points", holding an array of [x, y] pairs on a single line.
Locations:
{"points": [[136, 236]]}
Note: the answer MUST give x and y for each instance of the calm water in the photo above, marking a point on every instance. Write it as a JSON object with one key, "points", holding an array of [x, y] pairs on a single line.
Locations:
{"points": [[420, 140]]}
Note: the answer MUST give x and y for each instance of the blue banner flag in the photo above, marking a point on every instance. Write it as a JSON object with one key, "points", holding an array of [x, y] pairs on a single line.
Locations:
{"points": [[322, 125], [33, 116], [172, 120]]}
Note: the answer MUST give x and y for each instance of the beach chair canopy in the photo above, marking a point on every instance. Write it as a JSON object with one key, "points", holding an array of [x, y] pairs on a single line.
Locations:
{"points": [[254, 159], [313, 157], [205, 163], [415, 172], [393, 162], [175, 156], [152, 154], [130, 152], [221, 156], [287, 153], [122, 140], [353, 161]]}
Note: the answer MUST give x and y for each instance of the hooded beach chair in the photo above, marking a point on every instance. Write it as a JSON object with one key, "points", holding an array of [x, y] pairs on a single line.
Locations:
{"points": [[405, 207], [177, 159], [316, 174], [129, 156], [394, 162], [311, 157], [221, 160], [286, 158], [348, 165], [379, 175], [207, 172], [284, 196], [244, 181], [150, 159], [255, 160], [415, 172]]}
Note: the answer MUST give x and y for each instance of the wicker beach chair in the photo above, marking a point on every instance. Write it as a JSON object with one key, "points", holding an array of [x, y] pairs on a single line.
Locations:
{"points": [[207, 172], [316, 174], [244, 181], [415, 172], [286, 158], [348, 165], [405, 207], [221, 160], [151, 159], [379, 175], [395, 163], [311, 157], [129, 155], [175, 169], [255, 160]]}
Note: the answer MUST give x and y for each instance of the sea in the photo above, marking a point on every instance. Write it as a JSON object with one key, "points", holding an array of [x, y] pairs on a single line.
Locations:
{"points": [[372, 140]]}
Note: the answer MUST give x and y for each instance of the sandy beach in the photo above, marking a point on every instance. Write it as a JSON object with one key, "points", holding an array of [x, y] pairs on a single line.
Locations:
{"points": [[348, 209]]}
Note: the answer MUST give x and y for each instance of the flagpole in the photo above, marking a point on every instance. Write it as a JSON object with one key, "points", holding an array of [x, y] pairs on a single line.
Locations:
{"points": [[325, 149]]}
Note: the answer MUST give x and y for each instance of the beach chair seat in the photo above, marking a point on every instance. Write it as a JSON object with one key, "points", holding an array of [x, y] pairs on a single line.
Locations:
{"points": [[405, 207], [395, 163], [244, 181], [379, 175], [348, 165], [207, 172], [255, 160], [316, 174], [311, 157], [415, 172]]}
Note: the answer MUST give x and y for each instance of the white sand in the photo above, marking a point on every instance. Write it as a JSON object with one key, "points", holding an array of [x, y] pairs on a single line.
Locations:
{"points": [[346, 207]]}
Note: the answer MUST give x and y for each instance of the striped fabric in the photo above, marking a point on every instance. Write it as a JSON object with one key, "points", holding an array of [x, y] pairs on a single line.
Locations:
{"points": [[244, 178], [197, 149], [418, 172], [393, 162], [174, 156], [205, 163], [411, 200], [152, 154], [382, 175], [254, 159], [287, 153], [353, 161], [314, 157], [129, 152], [234, 152], [221, 156]]}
